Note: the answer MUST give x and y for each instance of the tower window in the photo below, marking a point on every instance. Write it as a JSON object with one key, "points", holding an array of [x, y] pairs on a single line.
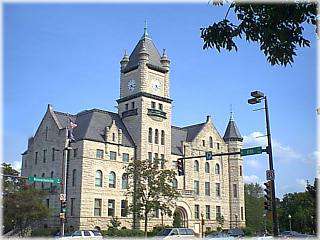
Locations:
{"points": [[74, 177], [218, 145], [153, 105], [99, 153], [44, 155], [132, 105], [113, 155], [127, 106], [240, 171], [162, 137], [113, 137], [211, 142], [36, 158], [160, 106], [150, 135], [156, 136], [235, 191], [203, 143], [53, 154]]}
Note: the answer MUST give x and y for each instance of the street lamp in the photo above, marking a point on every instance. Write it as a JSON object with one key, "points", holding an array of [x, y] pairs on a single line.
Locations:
{"points": [[289, 216], [257, 98], [202, 224]]}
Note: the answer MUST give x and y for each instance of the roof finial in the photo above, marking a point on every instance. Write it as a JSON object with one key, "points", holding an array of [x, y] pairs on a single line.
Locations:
{"points": [[145, 32], [231, 113]]}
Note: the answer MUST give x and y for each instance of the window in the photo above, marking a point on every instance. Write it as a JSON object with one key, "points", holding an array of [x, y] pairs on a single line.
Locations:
{"points": [[97, 207], [75, 152], [217, 169], [218, 145], [156, 157], [53, 154], [242, 217], [175, 183], [112, 180], [207, 167], [240, 171], [127, 106], [46, 132], [113, 155], [74, 177], [125, 157], [99, 153], [156, 136], [218, 212], [113, 137], [196, 187], [44, 155], [196, 211], [150, 135], [150, 156], [72, 207], [218, 192], [153, 105], [42, 184], [36, 158], [211, 142], [111, 205], [124, 208], [203, 143], [207, 188], [51, 175], [235, 191], [124, 181], [132, 105], [98, 180], [48, 203], [208, 212], [162, 161], [162, 137], [196, 166], [160, 106]]}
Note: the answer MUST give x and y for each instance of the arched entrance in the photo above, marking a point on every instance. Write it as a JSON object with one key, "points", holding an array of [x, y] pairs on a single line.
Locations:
{"points": [[180, 217]]}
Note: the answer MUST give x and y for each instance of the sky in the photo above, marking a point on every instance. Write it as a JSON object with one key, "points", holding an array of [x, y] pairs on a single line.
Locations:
{"points": [[68, 55]]}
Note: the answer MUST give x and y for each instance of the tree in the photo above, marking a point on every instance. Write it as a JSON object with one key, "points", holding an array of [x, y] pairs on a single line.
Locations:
{"points": [[220, 220], [277, 28], [176, 220], [151, 188], [22, 205]]}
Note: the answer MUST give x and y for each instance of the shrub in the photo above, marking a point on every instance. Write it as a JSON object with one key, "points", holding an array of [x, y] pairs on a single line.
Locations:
{"points": [[44, 232], [113, 232]]}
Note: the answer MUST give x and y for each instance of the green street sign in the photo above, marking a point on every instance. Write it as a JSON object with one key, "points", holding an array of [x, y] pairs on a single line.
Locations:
{"points": [[44, 180], [251, 151]]}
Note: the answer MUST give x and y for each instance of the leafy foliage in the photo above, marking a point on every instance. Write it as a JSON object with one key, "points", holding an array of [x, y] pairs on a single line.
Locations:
{"points": [[278, 28], [151, 187]]}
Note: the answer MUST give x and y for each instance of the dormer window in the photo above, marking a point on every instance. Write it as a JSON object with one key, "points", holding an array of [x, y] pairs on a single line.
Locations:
{"points": [[132, 105], [160, 107], [127, 106], [153, 105]]}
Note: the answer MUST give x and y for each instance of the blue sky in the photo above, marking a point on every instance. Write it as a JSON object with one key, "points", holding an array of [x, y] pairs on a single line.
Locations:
{"points": [[68, 55]]}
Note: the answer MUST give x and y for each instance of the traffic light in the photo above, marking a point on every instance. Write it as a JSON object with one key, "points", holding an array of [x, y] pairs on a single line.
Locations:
{"points": [[180, 167], [64, 206], [267, 196]]}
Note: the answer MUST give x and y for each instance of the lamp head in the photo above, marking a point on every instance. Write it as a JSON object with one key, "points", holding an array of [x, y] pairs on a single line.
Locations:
{"points": [[257, 94], [254, 100]]}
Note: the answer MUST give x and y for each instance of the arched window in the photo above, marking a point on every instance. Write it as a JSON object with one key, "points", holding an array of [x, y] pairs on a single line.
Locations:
{"points": [[124, 181], [98, 182], [211, 142], [217, 169], [196, 166], [74, 176], [150, 135], [162, 137], [207, 167], [42, 184], [156, 136], [175, 183], [112, 180]]}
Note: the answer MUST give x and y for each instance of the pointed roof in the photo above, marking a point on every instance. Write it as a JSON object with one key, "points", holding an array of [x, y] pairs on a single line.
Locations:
{"points": [[232, 132], [154, 56]]}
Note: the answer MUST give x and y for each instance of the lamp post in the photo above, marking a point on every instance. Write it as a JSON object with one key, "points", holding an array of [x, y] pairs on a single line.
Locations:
{"points": [[289, 216], [257, 98], [236, 216], [202, 224]]}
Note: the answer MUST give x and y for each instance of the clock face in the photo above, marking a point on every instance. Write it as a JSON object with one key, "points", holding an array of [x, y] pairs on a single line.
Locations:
{"points": [[131, 85], [156, 86]]}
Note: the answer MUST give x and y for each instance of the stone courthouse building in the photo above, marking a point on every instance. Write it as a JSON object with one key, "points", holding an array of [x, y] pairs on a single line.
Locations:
{"points": [[141, 129]]}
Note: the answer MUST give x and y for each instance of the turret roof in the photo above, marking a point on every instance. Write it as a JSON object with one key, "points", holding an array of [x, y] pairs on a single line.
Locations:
{"points": [[232, 133]]}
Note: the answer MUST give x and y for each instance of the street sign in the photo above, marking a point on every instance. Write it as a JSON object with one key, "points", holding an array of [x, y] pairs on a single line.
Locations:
{"points": [[62, 197], [44, 180], [62, 215], [251, 151], [270, 175], [209, 155]]}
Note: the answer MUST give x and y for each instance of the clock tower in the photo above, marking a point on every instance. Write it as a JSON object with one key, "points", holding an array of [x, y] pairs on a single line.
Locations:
{"points": [[144, 104]]}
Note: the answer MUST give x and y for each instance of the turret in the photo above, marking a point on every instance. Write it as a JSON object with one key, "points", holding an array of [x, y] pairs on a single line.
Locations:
{"points": [[143, 53], [124, 61], [165, 60]]}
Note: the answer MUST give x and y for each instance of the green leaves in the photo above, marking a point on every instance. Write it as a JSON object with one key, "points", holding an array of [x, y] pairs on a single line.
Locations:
{"points": [[278, 28]]}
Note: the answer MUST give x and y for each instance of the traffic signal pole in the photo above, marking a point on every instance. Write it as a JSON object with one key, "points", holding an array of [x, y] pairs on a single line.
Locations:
{"points": [[269, 152], [64, 189]]}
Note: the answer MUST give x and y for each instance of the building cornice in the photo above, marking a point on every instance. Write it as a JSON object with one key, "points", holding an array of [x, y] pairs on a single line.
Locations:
{"points": [[144, 94]]}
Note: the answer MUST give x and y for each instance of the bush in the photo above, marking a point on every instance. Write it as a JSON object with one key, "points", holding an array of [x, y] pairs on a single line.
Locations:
{"points": [[44, 232], [247, 231], [113, 232], [156, 230]]}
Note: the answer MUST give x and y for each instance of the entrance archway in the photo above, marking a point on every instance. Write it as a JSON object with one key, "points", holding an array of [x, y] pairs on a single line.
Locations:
{"points": [[180, 217]]}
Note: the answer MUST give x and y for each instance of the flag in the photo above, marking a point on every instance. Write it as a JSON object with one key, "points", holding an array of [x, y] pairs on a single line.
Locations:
{"points": [[71, 126]]}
